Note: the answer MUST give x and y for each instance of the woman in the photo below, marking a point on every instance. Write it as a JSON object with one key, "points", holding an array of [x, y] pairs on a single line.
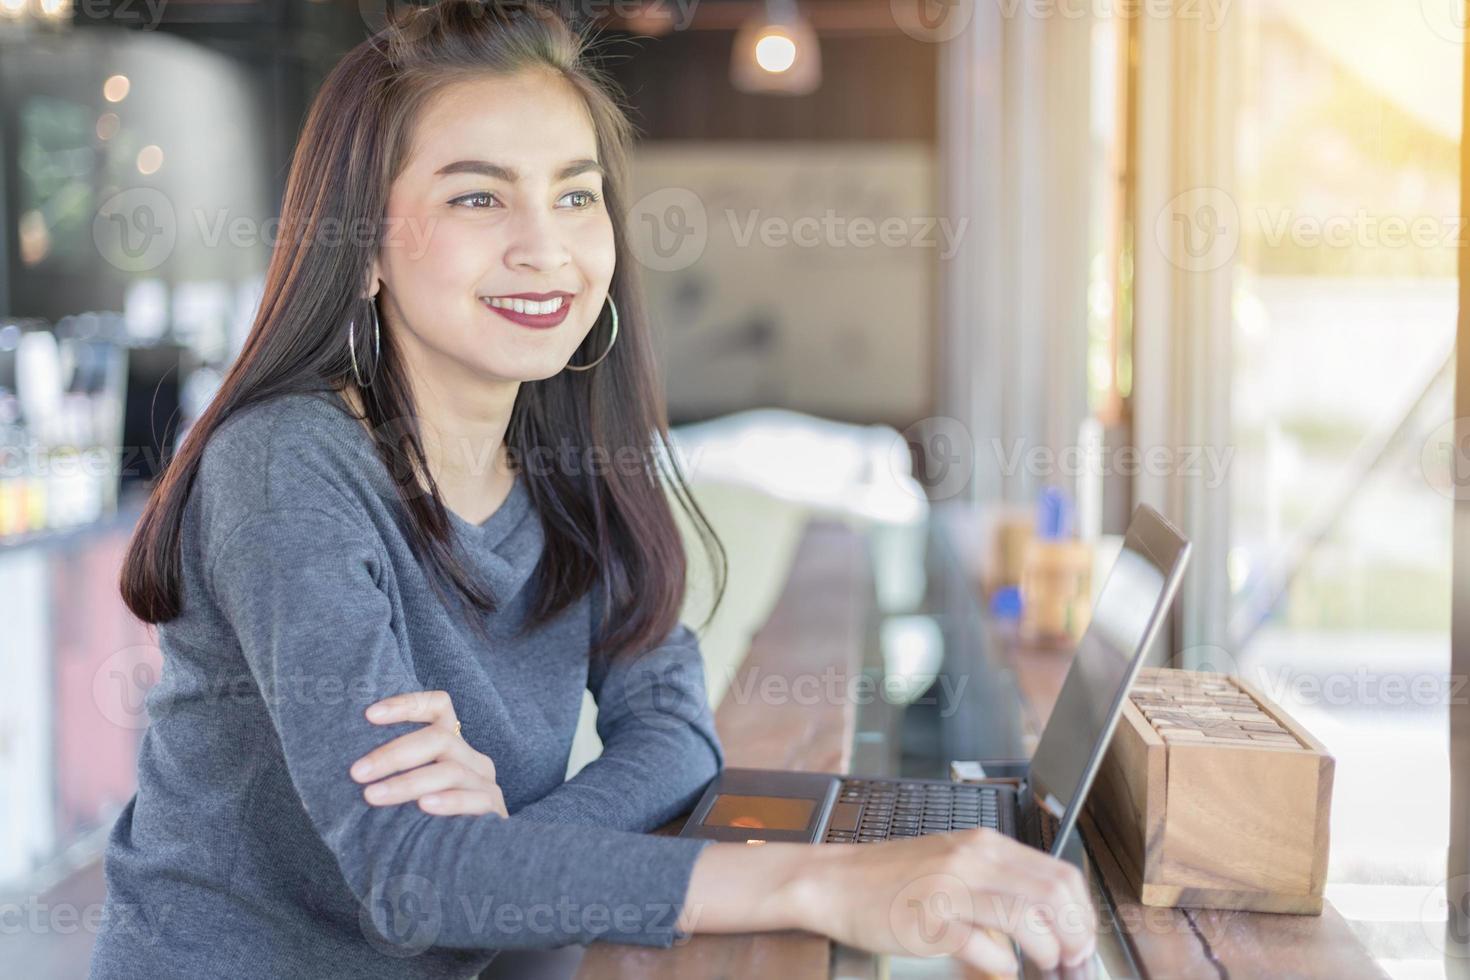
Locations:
{"points": [[418, 519]]}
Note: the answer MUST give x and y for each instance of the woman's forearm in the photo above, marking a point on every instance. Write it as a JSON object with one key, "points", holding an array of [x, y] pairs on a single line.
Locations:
{"points": [[972, 894], [753, 888]]}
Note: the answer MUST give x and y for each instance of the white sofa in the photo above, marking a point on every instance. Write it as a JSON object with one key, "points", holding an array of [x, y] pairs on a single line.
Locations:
{"points": [[759, 476]]}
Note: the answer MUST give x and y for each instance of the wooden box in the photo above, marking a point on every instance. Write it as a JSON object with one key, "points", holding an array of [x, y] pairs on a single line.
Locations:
{"points": [[1213, 797]]}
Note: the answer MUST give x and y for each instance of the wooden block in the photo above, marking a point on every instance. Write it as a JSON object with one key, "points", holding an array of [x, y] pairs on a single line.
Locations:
{"points": [[1219, 801]]}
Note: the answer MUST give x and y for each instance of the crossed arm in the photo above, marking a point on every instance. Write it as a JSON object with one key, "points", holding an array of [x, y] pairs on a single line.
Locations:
{"points": [[299, 587]]}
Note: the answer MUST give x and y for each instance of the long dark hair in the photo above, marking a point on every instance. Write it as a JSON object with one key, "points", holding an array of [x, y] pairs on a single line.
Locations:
{"points": [[609, 527]]}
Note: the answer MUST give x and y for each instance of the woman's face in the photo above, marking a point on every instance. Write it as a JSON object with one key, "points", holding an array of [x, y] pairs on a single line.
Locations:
{"points": [[500, 196]]}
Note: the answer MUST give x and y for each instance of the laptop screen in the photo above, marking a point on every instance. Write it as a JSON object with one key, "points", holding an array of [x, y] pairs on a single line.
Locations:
{"points": [[1125, 617]]}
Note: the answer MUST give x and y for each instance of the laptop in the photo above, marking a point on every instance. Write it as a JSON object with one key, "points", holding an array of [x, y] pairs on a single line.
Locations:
{"points": [[758, 805]]}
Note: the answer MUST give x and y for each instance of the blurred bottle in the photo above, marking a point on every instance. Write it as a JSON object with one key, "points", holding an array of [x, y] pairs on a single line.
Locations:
{"points": [[1056, 575]]}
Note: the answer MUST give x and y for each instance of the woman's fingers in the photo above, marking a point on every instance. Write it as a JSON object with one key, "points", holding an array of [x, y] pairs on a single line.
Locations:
{"points": [[430, 707], [990, 953], [1039, 865], [463, 801], [1037, 900], [421, 782], [417, 748], [432, 765]]}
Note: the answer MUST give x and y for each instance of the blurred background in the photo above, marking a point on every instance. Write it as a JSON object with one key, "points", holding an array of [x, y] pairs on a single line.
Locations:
{"points": [[1196, 253]]}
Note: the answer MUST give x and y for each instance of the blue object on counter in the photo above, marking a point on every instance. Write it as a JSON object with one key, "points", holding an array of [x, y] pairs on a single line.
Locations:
{"points": [[1054, 517], [1006, 602]]}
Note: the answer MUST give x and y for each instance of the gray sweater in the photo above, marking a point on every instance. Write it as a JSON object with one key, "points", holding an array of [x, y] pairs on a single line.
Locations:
{"points": [[248, 850]]}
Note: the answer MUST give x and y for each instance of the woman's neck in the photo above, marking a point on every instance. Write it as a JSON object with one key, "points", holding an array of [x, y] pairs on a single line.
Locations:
{"points": [[465, 449]]}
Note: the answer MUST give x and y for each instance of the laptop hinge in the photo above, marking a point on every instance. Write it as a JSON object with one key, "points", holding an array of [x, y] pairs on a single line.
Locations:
{"points": [[1028, 827]]}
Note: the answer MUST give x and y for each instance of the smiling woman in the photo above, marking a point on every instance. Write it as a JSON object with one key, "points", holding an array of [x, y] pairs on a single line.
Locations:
{"points": [[490, 154], [405, 538], [366, 516]]}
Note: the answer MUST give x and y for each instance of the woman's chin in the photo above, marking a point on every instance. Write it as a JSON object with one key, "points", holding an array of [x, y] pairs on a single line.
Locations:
{"points": [[526, 368]]}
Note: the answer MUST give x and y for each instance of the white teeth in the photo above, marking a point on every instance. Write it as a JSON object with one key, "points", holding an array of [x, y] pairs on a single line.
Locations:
{"points": [[528, 306]]}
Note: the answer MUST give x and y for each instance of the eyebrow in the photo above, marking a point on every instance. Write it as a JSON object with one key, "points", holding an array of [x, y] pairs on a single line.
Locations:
{"points": [[509, 174]]}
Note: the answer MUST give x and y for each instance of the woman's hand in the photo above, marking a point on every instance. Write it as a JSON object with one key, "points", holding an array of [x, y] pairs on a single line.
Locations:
{"points": [[966, 894], [436, 766]]}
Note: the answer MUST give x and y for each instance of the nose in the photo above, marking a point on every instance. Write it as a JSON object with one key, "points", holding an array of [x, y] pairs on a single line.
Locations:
{"points": [[536, 243]]}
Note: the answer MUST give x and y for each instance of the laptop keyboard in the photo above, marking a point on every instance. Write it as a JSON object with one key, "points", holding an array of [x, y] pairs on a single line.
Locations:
{"points": [[869, 810]]}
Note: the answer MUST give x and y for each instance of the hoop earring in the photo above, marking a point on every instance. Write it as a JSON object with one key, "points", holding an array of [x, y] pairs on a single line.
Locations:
{"points": [[377, 345], [610, 341]]}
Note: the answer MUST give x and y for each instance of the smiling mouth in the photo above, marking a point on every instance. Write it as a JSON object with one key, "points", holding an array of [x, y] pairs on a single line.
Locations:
{"points": [[530, 313], [534, 307]]}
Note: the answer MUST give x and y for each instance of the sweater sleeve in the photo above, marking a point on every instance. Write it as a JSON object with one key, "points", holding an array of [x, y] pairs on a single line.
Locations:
{"points": [[659, 746], [300, 588]]}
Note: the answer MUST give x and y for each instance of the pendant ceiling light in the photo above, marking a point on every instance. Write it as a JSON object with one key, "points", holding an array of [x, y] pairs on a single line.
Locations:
{"points": [[25, 15], [776, 52]]}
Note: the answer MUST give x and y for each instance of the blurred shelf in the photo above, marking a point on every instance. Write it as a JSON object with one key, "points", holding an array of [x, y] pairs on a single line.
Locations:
{"points": [[129, 510]]}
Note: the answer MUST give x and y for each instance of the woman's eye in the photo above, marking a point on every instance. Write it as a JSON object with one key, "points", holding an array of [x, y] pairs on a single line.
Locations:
{"points": [[484, 196], [588, 199], [481, 199]]}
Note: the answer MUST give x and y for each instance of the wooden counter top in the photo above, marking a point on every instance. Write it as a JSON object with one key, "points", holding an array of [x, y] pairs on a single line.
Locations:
{"points": [[818, 629]]}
